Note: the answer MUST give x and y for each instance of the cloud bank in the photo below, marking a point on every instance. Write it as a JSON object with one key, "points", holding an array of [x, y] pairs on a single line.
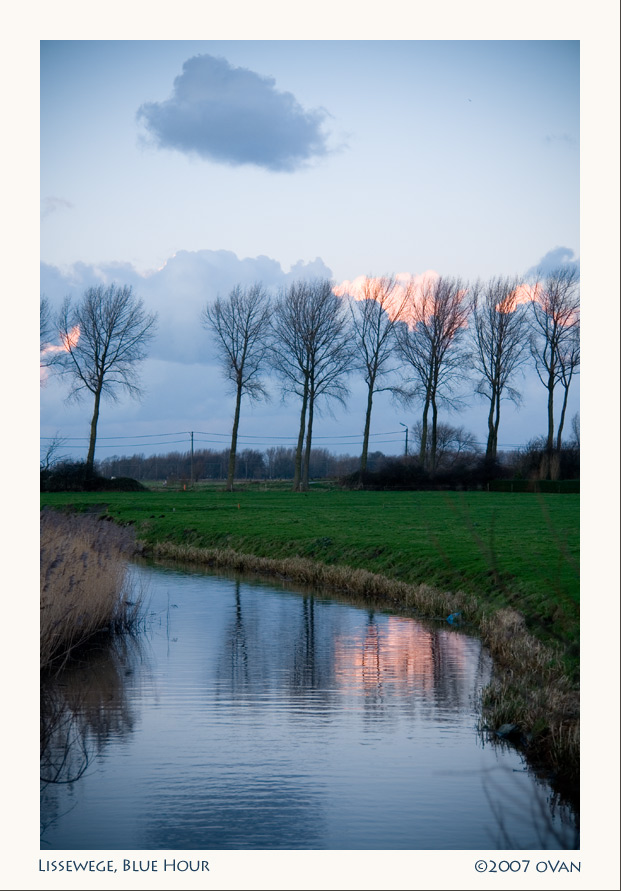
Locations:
{"points": [[234, 116], [179, 290], [557, 258]]}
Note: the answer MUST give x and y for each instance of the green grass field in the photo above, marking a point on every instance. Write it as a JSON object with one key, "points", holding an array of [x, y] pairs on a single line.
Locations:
{"points": [[520, 550]]}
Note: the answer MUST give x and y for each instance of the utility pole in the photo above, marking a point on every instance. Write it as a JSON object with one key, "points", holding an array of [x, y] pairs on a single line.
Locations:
{"points": [[192, 458], [406, 437]]}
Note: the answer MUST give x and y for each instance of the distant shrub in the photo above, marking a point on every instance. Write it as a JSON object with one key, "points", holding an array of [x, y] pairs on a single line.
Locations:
{"points": [[534, 463], [71, 476], [408, 474], [561, 487]]}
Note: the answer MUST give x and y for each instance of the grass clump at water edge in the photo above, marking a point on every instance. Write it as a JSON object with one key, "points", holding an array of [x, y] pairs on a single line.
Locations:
{"points": [[531, 695], [83, 583]]}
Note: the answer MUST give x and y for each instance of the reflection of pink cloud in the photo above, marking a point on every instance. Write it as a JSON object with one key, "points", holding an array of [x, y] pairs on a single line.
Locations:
{"points": [[398, 651]]}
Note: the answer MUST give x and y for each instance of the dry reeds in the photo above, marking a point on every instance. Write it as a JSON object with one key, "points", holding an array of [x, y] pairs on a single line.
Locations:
{"points": [[83, 582], [423, 599], [531, 691]]}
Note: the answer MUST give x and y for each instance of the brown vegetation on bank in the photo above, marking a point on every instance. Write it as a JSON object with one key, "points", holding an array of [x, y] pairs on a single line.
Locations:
{"points": [[532, 692], [424, 599], [83, 582]]}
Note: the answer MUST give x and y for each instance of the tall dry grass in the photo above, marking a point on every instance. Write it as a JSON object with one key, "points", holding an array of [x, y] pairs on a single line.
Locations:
{"points": [[83, 582], [532, 691]]}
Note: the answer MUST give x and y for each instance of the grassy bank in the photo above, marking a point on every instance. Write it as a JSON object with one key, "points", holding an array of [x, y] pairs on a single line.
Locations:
{"points": [[508, 562]]}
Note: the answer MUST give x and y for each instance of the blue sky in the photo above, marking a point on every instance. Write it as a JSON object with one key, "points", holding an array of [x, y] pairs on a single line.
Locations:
{"points": [[183, 167]]}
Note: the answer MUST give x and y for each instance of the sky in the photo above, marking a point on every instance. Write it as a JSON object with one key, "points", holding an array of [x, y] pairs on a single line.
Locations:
{"points": [[183, 167]]}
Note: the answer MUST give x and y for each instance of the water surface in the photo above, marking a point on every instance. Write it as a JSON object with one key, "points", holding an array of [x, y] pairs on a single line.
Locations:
{"points": [[248, 716]]}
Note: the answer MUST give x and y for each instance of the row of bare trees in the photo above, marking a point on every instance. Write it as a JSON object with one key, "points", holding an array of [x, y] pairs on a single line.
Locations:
{"points": [[418, 340]]}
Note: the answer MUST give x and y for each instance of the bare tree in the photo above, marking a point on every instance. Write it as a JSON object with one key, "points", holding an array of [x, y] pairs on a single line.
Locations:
{"points": [[45, 323], [240, 325], [453, 446], [105, 336], [311, 353], [569, 362], [50, 451], [431, 343], [49, 354], [380, 304], [500, 336], [554, 341], [575, 429]]}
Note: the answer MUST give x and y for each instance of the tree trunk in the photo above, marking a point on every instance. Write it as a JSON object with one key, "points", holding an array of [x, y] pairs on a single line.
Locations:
{"points": [[493, 423], [490, 451], [550, 437], [90, 458], [561, 422], [233, 452], [367, 429], [297, 472], [309, 436], [434, 436], [496, 424], [422, 455]]}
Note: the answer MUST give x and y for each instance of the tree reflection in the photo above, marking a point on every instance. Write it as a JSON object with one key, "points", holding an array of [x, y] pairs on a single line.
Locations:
{"points": [[238, 645], [81, 708], [555, 826], [298, 659]]}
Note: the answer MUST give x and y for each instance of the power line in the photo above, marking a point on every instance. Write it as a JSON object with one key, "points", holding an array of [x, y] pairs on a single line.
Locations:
{"points": [[223, 439], [294, 438], [134, 436], [335, 438]]}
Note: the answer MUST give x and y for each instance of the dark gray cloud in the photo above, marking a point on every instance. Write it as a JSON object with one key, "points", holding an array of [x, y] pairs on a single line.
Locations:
{"points": [[51, 204], [563, 138], [557, 258], [234, 116]]}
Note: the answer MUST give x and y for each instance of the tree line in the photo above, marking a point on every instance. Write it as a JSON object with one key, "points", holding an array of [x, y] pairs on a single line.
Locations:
{"points": [[460, 463], [431, 343]]}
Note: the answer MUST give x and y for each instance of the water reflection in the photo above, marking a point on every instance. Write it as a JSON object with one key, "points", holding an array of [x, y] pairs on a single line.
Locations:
{"points": [[270, 812], [439, 667], [82, 708], [553, 822], [254, 717]]}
